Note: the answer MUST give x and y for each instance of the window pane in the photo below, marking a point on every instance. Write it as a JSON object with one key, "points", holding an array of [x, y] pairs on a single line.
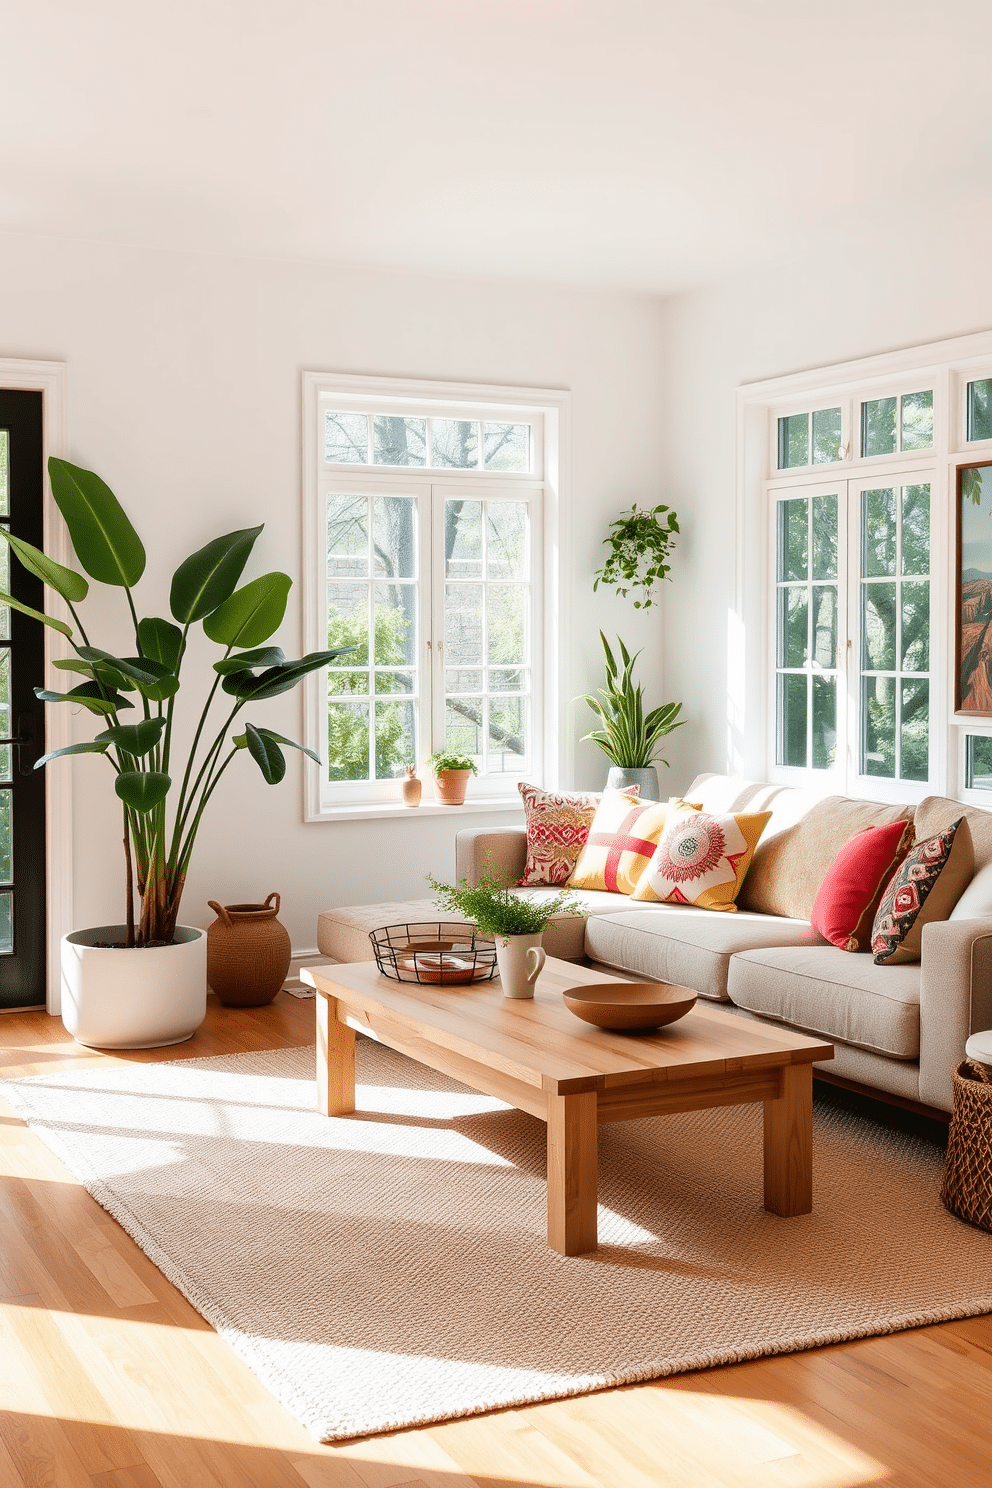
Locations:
{"points": [[463, 539], [5, 586], [395, 739], [395, 625], [878, 722], [916, 627], [507, 735], [792, 721], [399, 441], [826, 436], [916, 529], [917, 421], [392, 683], [878, 427], [6, 924], [878, 533], [793, 441], [978, 762], [455, 444], [878, 627], [506, 446], [463, 625], [507, 679], [793, 635], [4, 472], [979, 410], [347, 536], [506, 639], [914, 741], [6, 844], [465, 679], [346, 438], [5, 713], [463, 727], [394, 536], [824, 600], [348, 741], [348, 625], [824, 512], [506, 539], [793, 539], [824, 722]]}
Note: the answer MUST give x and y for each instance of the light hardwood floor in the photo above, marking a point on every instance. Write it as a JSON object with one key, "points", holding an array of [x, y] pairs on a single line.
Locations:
{"points": [[109, 1379]]}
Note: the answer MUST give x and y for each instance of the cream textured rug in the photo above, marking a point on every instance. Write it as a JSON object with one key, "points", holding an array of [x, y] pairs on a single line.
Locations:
{"points": [[390, 1268]]}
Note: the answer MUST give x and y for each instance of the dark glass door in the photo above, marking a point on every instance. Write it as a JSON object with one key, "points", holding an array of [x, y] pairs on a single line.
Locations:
{"points": [[22, 717]]}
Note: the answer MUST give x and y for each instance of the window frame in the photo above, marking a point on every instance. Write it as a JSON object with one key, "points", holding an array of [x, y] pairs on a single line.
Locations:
{"points": [[549, 413]]}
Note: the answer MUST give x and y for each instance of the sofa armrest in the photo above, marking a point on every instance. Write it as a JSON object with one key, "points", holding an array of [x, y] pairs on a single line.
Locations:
{"points": [[502, 851], [955, 999]]}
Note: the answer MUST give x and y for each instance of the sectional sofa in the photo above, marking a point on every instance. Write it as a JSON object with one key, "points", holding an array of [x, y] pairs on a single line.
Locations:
{"points": [[897, 1030]]}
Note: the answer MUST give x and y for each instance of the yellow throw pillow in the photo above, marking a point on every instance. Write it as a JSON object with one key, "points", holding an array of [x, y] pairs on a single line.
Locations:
{"points": [[702, 859], [624, 833]]}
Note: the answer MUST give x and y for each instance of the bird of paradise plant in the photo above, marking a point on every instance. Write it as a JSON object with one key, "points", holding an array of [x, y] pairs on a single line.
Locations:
{"points": [[158, 844]]}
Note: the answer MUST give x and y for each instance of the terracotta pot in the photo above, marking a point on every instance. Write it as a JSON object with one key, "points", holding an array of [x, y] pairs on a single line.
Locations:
{"points": [[412, 787], [248, 952], [450, 787]]}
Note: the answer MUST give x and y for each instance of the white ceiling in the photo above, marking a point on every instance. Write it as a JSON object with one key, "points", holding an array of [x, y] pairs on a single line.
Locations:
{"points": [[639, 144]]}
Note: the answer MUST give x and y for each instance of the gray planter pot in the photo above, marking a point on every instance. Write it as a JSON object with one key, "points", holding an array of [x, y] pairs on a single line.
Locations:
{"points": [[647, 778]]}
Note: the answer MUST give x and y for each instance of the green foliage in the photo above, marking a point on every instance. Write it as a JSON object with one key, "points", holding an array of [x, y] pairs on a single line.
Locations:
{"points": [[971, 484], [640, 542], [446, 761], [629, 737], [496, 909], [348, 725], [158, 848]]}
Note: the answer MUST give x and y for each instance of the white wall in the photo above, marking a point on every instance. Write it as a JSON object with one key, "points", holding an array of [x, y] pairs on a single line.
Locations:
{"points": [[916, 283], [184, 394]]}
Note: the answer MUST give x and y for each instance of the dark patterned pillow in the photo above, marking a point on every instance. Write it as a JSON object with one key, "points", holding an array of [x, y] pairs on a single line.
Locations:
{"points": [[926, 886]]}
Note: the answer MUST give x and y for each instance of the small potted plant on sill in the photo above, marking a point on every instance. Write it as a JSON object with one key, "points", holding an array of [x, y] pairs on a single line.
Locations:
{"points": [[143, 983], [451, 772], [630, 738], [517, 924]]}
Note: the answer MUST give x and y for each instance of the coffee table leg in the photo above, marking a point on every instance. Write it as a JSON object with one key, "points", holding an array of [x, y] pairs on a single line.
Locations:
{"points": [[789, 1143], [335, 1060], [572, 1173]]}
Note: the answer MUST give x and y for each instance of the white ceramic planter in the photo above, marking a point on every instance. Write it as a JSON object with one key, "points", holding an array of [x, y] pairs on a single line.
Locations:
{"points": [[133, 999], [520, 959]]}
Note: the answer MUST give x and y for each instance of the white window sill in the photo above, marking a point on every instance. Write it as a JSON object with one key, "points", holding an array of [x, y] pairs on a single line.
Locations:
{"points": [[376, 811]]}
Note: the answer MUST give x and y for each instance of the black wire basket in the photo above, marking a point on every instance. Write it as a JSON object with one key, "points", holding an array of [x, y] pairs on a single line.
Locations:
{"points": [[446, 953]]}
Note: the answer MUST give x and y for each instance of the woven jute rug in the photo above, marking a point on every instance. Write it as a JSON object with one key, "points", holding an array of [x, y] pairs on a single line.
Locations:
{"points": [[390, 1268]]}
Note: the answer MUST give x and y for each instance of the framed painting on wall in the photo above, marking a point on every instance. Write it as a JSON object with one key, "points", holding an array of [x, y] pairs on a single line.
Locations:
{"points": [[974, 627]]}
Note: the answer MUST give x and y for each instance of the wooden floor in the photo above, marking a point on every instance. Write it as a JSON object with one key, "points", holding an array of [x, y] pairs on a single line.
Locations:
{"points": [[109, 1379]]}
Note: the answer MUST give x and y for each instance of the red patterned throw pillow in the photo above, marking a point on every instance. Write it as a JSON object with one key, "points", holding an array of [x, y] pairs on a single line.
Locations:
{"points": [[557, 828], [925, 887], [848, 898]]}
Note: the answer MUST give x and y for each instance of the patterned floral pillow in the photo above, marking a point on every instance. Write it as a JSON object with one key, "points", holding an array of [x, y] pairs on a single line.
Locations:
{"points": [[557, 827], [702, 859], [926, 886]]}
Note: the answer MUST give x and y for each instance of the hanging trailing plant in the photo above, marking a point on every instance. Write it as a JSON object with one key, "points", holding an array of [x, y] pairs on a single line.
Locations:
{"points": [[640, 542]]}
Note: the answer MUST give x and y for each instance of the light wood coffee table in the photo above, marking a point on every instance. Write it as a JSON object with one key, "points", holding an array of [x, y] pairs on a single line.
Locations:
{"points": [[541, 1058]]}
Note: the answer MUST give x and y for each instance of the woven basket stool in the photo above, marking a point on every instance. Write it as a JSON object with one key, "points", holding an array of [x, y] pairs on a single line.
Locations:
{"points": [[967, 1186]]}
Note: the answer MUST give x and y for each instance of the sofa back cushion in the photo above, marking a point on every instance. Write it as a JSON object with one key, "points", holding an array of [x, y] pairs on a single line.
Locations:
{"points": [[935, 813], [800, 842]]}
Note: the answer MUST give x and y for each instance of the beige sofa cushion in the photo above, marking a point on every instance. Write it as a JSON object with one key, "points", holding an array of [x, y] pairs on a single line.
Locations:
{"points": [[934, 813], [823, 990], [343, 933], [800, 842], [690, 947]]}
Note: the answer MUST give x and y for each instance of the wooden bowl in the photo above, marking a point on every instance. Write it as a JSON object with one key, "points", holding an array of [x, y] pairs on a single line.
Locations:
{"points": [[631, 1007]]}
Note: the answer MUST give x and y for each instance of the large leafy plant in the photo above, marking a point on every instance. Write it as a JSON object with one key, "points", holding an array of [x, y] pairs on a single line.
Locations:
{"points": [[158, 843], [629, 737], [640, 543]]}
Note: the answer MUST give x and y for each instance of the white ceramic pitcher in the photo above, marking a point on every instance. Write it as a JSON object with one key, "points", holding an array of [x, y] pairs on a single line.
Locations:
{"points": [[520, 959]]}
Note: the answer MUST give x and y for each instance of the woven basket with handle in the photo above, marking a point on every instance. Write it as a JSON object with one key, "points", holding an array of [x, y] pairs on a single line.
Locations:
{"points": [[967, 1186]]}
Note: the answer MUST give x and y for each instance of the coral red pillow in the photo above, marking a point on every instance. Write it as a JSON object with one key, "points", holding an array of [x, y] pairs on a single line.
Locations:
{"points": [[848, 898], [558, 825]]}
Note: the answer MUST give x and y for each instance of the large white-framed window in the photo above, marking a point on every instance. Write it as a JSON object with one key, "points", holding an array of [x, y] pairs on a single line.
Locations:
{"points": [[433, 521], [849, 681]]}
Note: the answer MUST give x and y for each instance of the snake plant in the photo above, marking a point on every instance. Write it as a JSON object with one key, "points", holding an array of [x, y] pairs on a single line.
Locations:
{"points": [[629, 737]]}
